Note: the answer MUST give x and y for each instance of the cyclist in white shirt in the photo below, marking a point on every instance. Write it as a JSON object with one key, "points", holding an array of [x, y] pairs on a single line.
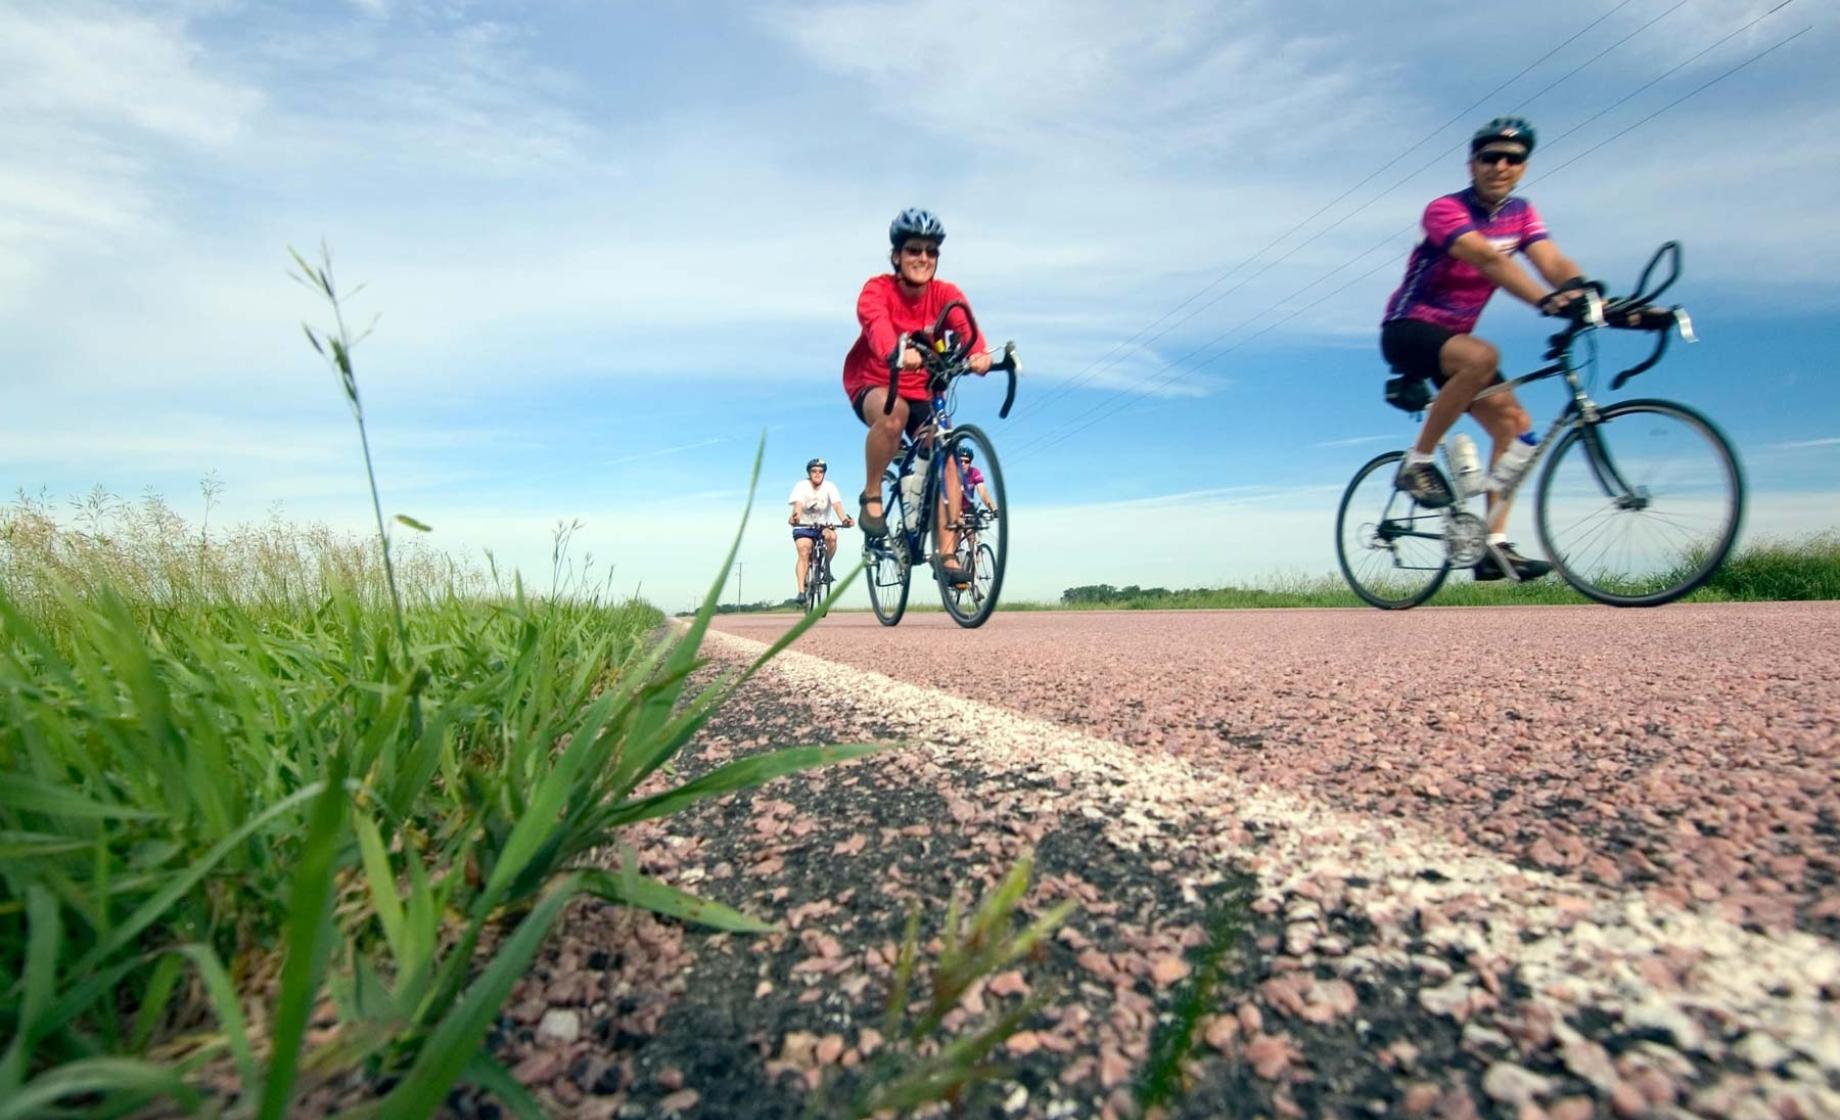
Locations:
{"points": [[813, 499]]}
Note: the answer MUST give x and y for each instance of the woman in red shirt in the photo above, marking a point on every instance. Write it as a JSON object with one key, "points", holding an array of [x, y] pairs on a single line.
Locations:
{"points": [[908, 299]]}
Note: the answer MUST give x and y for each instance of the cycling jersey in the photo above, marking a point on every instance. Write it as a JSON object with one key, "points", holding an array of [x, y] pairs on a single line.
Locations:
{"points": [[813, 503], [971, 479], [886, 313], [1446, 292]]}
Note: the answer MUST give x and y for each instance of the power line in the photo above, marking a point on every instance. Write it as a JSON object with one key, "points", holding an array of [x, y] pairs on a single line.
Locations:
{"points": [[1108, 404], [1068, 433], [1099, 365], [1104, 361]]}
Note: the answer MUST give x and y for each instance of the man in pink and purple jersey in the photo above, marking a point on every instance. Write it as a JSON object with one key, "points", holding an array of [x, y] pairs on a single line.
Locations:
{"points": [[1467, 253]]}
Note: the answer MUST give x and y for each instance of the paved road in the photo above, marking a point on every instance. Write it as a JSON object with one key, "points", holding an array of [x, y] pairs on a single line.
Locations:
{"points": [[1692, 752], [1519, 862]]}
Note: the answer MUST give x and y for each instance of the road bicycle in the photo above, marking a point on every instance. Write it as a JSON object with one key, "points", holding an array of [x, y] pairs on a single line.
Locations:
{"points": [[818, 576], [914, 520], [1639, 502]]}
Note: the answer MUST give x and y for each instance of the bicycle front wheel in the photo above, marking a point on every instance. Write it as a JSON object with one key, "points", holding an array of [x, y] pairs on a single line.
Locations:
{"points": [[889, 570], [1391, 549], [1642, 505], [972, 603]]}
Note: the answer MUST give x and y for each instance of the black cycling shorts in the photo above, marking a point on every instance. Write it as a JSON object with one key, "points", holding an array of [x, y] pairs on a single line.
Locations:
{"points": [[918, 412], [1412, 347]]}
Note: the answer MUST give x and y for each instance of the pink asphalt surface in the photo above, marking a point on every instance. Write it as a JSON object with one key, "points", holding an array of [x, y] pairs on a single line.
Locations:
{"points": [[1692, 752]]}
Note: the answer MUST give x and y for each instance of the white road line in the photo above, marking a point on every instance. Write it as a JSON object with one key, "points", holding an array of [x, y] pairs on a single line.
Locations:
{"points": [[1713, 988]]}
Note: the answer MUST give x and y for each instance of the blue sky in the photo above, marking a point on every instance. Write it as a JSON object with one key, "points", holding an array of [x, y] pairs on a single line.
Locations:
{"points": [[608, 244]]}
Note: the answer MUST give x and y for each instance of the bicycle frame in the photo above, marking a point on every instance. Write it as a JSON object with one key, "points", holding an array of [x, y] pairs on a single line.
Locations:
{"points": [[1581, 411], [945, 363], [1632, 312]]}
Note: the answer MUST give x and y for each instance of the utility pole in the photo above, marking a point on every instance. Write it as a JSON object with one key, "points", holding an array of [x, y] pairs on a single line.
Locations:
{"points": [[740, 570]]}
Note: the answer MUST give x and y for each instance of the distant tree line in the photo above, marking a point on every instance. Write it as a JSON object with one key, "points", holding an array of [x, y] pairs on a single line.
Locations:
{"points": [[1106, 593]]}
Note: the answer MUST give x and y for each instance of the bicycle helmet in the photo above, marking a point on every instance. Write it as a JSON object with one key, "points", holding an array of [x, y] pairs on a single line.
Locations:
{"points": [[1503, 128], [915, 222], [819, 463], [964, 452]]}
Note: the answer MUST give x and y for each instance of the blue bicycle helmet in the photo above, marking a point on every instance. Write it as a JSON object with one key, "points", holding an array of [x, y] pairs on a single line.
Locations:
{"points": [[964, 452], [1516, 129], [915, 222]]}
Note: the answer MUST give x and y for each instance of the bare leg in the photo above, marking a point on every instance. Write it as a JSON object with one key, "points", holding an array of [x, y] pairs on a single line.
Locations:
{"points": [[804, 544], [883, 440], [1504, 419], [1469, 366], [952, 500]]}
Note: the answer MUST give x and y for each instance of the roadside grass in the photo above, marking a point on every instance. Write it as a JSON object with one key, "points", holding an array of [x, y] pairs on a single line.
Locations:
{"points": [[1769, 570], [1778, 569], [280, 807]]}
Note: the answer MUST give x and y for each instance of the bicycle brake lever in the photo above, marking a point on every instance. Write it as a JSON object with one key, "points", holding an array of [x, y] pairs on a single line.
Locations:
{"points": [[1685, 322], [1593, 308]]}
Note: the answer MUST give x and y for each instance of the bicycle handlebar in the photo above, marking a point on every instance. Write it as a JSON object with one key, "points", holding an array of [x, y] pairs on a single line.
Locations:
{"points": [[943, 363], [1636, 312]]}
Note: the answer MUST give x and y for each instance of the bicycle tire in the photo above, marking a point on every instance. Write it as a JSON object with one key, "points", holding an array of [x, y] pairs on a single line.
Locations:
{"points": [[1405, 590], [890, 575], [973, 610], [817, 579], [1623, 551]]}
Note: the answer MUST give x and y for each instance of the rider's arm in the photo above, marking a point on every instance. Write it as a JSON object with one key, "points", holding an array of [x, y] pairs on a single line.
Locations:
{"points": [[1474, 249], [1554, 265], [958, 321], [984, 493], [877, 320]]}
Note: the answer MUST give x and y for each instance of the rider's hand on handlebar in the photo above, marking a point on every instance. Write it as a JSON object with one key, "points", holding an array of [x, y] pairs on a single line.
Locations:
{"points": [[979, 363], [910, 358], [792, 519], [848, 522], [1555, 303]]}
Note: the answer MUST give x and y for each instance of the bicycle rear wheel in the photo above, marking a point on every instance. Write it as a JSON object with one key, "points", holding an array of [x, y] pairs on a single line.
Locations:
{"points": [[972, 604], [1641, 513], [889, 570], [1391, 549]]}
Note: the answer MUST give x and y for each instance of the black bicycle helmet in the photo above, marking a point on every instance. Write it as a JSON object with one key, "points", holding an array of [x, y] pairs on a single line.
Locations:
{"points": [[915, 222], [819, 463], [1503, 128]]}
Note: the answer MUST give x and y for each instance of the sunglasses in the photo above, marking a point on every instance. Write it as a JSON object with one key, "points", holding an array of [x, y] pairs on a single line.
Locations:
{"points": [[1489, 159], [920, 251]]}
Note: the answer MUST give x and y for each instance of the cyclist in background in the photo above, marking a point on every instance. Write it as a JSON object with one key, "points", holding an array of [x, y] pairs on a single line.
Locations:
{"points": [[905, 300], [812, 499], [1470, 239], [972, 483]]}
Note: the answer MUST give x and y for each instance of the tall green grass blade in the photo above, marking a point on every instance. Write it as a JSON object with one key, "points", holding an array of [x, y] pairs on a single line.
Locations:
{"points": [[382, 884], [743, 773], [657, 709], [30, 795], [154, 998], [184, 882], [222, 994], [660, 898], [308, 941], [126, 1076], [44, 934], [497, 1080], [456, 1038]]}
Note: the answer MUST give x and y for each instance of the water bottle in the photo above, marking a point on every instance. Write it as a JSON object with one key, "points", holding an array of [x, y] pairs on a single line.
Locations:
{"points": [[912, 485], [1512, 464], [1465, 464]]}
